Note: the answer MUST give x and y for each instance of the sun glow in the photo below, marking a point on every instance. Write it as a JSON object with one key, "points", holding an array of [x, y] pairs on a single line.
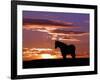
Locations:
{"points": [[47, 53], [47, 56]]}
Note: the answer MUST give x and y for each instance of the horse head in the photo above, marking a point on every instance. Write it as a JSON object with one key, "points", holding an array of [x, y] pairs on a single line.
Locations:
{"points": [[59, 44], [56, 44]]}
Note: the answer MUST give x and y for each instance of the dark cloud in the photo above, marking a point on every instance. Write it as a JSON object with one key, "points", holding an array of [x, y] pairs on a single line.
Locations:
{"points": [[73, 33], [66, 32], [47, 22]]}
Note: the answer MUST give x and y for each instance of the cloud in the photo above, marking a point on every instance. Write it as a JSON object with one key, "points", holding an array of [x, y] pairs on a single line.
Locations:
{"points": [[62, 35], [68, 33], [64, 38], [47, 53], [54, 28], [73, 39], [46, 24]]}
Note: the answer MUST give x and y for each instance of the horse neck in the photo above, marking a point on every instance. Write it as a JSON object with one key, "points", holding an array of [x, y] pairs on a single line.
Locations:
{"points": [[61, 45]]}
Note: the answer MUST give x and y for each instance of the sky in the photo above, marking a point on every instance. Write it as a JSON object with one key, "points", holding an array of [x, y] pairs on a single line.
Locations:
{"points": [[41, 29]]}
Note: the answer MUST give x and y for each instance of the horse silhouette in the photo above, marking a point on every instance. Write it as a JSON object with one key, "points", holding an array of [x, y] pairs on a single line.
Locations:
{"points": [[65, 49]]}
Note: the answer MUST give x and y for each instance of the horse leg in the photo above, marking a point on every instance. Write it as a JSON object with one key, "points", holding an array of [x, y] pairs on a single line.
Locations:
{"points": [[64, 56], [73, 55]]}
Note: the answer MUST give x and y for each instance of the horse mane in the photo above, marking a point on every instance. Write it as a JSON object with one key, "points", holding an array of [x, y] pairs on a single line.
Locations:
{"points": [[60, 42]]}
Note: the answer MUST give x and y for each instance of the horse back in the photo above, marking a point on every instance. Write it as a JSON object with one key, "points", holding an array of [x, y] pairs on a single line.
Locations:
{"points": [[70, 49]]}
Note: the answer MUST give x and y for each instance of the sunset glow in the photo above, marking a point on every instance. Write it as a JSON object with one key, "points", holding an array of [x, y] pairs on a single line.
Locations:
{"points": [[43, 53], [41, 31], [47, 56]]}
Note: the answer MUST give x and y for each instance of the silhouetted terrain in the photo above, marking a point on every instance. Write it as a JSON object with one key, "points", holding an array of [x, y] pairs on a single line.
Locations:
{"points": [[55, 63]]}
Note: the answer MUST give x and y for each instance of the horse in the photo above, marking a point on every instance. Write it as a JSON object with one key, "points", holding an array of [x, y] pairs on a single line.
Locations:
{"points": [[65, 49]]}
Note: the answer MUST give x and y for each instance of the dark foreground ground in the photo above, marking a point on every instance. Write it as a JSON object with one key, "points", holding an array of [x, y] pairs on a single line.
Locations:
{"points": [[55, 63]]}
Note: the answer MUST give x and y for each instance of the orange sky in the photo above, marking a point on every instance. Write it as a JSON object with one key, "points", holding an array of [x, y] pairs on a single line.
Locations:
{"points": [[46, 53], [40, 33]]}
